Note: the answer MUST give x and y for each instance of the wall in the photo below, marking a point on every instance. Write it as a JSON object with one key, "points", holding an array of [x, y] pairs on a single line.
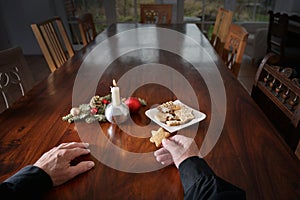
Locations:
{"points": [[4, 40], [16, 17]]}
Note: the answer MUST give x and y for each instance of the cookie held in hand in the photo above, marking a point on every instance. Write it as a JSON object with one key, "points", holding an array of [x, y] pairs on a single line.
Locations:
{"points": [[158, 136]]}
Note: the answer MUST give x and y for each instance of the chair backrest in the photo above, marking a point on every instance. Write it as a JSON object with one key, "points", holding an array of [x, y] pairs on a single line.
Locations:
{"points": [[69, 8], [156, 13], [54, 42], [276, 90], [87, 28], [221, 28], [234, 48], [277, 33], [15, 77]]}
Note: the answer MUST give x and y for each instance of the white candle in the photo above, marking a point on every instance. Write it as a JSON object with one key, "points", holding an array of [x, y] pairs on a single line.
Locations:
{"points": [[115, 94]]}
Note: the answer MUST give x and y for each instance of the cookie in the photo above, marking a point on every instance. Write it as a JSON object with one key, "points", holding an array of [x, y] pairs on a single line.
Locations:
{"points": [[168, 107], [173, 122], [163, 117], [184, 114], [158, 136]]}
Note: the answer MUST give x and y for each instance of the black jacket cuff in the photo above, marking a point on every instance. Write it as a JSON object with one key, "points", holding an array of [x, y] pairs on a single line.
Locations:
{"points": [[191, 169], [31, 182]]}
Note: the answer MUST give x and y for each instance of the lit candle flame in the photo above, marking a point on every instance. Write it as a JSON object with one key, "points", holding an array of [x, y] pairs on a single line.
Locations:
{"points": [[114, 83]]}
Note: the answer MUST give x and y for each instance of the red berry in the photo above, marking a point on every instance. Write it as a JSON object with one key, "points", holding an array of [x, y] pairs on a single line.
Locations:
{"points": [[133, 104], [94, 111]]}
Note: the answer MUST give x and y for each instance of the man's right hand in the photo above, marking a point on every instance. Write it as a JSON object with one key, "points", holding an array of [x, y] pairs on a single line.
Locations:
{"points": [[176, 149]]}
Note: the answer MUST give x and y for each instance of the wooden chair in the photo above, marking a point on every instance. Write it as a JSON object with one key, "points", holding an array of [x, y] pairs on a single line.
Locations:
{"points": [[221, 28], [54, 42], [156, 13], [277, 33], [87, 28], [283, 38], [234, 48], [276, 90], [70, 9], [15, 77]]}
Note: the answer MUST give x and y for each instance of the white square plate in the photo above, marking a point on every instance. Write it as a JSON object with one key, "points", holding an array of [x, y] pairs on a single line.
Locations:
{"points": [[199, 116]]}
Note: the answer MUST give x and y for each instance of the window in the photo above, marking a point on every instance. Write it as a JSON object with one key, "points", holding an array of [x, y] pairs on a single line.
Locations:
{"points": [[75, 8], [252, 10], [129, 10], [202, 12], [244, 10], [125, 10]]}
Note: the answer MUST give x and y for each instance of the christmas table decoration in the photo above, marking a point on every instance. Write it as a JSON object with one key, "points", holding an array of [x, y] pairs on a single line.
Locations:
{"points": [[106, 108], [94, 111], [117, 111]]}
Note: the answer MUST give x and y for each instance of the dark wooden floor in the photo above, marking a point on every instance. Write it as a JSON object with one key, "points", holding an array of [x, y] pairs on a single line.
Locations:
{"points": [[40, 71], [247, 73]]}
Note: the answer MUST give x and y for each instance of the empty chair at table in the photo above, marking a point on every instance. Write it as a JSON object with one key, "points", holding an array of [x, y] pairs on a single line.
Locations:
{"points": [[156, 13], [15, 77], [87, 28], [54, 42], [234, 48], [221, 29]]}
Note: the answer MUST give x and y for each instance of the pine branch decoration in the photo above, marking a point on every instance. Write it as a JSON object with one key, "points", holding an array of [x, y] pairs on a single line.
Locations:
{"points": [[94, 111]]}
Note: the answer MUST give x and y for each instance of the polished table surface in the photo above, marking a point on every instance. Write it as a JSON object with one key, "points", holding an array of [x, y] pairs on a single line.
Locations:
{"points": [[237, 140]]}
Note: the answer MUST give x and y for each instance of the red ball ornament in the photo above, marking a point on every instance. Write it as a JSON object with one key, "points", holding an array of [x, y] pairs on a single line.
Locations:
{"points": [[105, 101], [133, 104]]}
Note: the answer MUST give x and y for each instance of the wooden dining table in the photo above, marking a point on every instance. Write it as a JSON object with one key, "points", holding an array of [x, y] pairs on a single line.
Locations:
{"points": [[157, 63]]}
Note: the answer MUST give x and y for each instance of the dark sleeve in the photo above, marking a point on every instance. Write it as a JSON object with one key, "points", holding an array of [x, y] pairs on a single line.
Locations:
{"points": [[29, 183], [200, 182]]}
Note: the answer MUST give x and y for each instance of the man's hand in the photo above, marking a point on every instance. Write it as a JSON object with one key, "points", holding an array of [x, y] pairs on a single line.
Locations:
{"points": [[56, 162], [176, 149]]}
